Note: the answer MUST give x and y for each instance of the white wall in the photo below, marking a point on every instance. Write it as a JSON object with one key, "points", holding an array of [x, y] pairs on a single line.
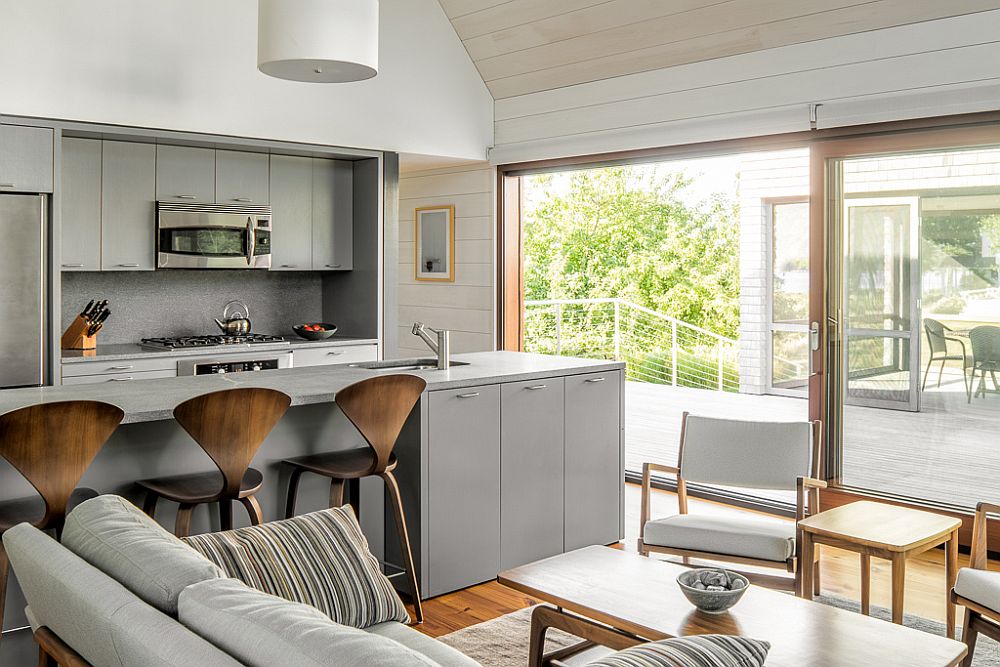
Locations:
{"points": [[925, 69], [191, 65], [465, 306]]}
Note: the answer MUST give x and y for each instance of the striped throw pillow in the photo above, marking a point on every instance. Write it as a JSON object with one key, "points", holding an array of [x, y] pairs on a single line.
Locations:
{"points": [[320, 559], [700, 651]]}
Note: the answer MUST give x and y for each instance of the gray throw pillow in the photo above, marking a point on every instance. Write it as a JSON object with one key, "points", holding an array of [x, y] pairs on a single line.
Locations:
{"points": [[699, 651], [119, 539], [320, 559], [261, 630]]}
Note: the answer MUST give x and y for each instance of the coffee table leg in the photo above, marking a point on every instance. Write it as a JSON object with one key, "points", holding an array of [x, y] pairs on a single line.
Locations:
{"points": [[866, 584], [951, 571], [806, 565], [536, 640], [898, 582]]}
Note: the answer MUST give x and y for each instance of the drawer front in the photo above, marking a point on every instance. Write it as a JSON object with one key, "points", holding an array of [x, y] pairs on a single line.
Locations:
{"points": [[342, 354], [119, 377], [125, 366]]}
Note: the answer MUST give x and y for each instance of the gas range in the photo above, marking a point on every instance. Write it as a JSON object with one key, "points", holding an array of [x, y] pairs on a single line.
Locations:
{"points": [[189, 342]]}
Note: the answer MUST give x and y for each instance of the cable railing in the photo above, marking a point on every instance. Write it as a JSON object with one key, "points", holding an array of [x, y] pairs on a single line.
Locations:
{"points": [[656, 348]]}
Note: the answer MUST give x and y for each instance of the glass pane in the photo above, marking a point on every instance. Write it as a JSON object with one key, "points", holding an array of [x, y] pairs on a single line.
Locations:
{"points": [[790, 359], [878, 267], [790, 262], [878, 368], [211, 242]]}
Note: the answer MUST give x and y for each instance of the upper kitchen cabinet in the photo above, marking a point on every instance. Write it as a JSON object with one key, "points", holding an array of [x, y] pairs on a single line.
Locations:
{"points": [[332, 215], [81, 204], [25, 159], [184, 173], [129, 178], [291, 213], [241, 178]]}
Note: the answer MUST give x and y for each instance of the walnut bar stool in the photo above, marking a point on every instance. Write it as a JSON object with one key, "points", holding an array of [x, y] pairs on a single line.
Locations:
{"points": [[51, 445], [230, 426], [378, 408]]}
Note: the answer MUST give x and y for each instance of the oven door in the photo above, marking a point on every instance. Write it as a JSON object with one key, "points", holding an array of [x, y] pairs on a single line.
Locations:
{"points": [[197, 240]]}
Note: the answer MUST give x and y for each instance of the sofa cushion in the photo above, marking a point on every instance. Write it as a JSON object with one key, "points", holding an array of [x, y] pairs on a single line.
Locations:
{"points": [[320, 559], [746, 536], [262, 630], [701, 651], [94, 614], [980, 586], [442, 654], [119, 539]]}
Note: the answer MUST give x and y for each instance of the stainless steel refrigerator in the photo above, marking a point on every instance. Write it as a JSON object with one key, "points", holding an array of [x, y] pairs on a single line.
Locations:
{"points": [[23, 288]]}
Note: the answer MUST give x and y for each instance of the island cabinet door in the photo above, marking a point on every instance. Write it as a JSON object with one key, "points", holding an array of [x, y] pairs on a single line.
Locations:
{"points": [[463, 490], [594, 474], [531, 471]]}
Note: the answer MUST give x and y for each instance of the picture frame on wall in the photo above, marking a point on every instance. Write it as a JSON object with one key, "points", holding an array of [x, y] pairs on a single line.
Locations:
{"points": [[434, 243]]}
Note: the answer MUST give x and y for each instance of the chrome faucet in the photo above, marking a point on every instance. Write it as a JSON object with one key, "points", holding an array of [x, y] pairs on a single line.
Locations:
{"points": [[441, 347]]}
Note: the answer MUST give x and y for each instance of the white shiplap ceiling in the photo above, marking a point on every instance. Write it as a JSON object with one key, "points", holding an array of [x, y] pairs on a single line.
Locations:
{"points": [[527, 46]]}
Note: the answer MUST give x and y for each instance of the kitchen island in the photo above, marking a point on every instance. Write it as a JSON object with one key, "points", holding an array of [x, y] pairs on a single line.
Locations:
{"points": [[507, 459]]}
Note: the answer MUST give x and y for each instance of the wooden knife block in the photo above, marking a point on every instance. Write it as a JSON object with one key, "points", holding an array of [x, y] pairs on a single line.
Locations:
{"points": [[76, 338]]}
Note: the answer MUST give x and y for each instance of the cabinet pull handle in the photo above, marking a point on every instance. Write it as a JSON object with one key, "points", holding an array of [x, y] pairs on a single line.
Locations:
{"points": [[471, 395], [537, 387], [130, 265], [185, 196], [596, 380], [288, 266], [121, 368], [6, 185], [73, 265], [334, 354], [333, 266], [125, 379], [242, 199]]}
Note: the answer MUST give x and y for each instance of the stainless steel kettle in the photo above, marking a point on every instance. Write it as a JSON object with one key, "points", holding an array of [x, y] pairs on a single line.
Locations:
{"points": [[236, 323]]}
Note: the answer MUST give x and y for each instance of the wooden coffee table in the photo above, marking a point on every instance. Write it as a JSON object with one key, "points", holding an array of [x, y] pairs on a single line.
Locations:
{"points": [[620, 599], [884, 531]]}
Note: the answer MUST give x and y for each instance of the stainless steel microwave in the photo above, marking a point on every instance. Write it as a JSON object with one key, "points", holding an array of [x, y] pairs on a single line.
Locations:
{"points": [[212, 236]]}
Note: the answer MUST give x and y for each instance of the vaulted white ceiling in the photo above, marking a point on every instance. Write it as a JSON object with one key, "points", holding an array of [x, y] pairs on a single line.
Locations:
{"points": [[527, 46]]}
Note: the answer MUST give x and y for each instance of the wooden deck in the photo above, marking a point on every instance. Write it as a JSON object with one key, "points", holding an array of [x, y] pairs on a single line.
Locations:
{"points": [[949, 452]]}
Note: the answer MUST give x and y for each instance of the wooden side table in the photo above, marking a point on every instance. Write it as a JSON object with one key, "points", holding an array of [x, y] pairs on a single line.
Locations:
{"points": [[884, 531]]}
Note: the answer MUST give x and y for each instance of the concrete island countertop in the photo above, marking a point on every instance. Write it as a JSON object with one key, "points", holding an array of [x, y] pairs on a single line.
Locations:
{"points": [[153, 400], [123, 351]]}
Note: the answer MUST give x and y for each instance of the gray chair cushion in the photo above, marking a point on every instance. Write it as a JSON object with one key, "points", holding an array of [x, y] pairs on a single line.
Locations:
{"points": [[320, 559], [745, 536], [442, 654], [702, 651], [94, 614], [262, 630], [980, 586], [118, 538]]}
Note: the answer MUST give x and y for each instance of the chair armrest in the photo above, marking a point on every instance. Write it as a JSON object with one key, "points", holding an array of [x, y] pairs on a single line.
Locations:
{"points": [[807, 486], [812, 482], [978, 552], [644, 509]]}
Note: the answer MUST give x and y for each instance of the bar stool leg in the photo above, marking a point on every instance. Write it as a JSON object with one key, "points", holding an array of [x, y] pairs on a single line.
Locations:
{"points": [[404, 541], [253, 509], [337, 493], [182, 526], [149, 504], [4, 571], [293, 492], [226, 514], [354, 496]]}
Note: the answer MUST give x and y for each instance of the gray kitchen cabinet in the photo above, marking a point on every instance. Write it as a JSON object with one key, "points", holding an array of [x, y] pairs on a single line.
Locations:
{"points": [[463, 513], [185, 173], [291, 210], [332, 215], [328, 355], [81, 204], [128, 192], [241, 177], [594, 466], [531, 471], [119, 377], [26, 158]]}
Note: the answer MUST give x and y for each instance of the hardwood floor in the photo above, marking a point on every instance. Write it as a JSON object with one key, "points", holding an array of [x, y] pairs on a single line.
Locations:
{"points": [[925, 586]]}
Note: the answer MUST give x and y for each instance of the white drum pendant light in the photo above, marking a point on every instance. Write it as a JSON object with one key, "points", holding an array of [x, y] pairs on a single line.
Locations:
{"points": [[321, 41]]}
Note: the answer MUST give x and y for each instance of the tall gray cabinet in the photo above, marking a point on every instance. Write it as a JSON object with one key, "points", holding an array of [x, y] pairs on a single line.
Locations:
{"points": [[81, 204]]}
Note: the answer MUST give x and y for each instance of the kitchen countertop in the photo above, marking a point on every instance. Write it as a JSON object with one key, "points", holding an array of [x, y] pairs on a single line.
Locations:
{"points": [[153, 400], [122, 351]]}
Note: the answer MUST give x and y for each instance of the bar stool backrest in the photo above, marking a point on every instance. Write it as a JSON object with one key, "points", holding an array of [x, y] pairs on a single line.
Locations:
{"points": [[53, 444], [378, 408], [230, 426]]}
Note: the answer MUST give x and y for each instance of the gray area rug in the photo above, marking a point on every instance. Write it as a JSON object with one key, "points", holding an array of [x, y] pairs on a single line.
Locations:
{"points": [[503, 642]]}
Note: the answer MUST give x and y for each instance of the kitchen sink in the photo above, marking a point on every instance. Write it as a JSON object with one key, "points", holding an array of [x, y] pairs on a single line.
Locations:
{"points": [[422, 364]]}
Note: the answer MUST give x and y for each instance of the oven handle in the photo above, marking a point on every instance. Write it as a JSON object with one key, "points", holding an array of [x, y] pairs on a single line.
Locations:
{"points": [[251, 242]]}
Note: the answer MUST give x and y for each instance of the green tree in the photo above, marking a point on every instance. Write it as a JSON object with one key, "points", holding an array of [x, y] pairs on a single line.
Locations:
{"points": [[625, 232]]}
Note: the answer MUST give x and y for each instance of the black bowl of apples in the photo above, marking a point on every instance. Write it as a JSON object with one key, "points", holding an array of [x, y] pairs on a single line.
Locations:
{"points": [[316, 330]]}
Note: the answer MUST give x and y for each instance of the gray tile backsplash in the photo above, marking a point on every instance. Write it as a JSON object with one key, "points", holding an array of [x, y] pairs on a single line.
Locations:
{"points": [[146, 304]]}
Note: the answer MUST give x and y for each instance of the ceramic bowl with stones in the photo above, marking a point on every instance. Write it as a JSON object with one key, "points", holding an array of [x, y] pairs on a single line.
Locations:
{"points": [[712, 590]]}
